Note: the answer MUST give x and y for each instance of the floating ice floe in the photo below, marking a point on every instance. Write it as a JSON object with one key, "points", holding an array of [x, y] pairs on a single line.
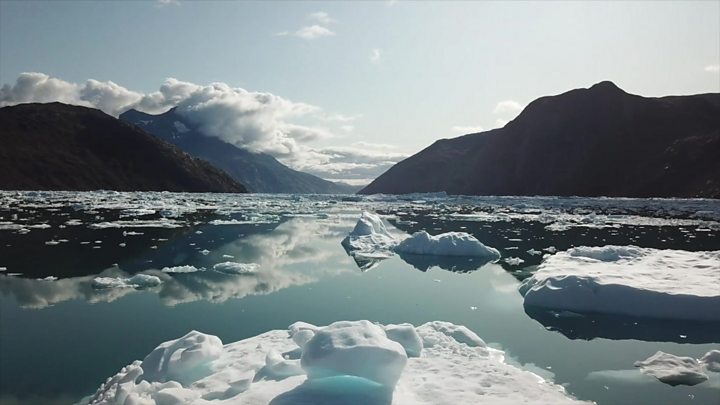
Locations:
{"points": [[514, 261], [236, 268], [370, 241], [446, 244], [673, 370], [136, 281], [138, 223], [347, 362], [628, 280], [370, 238], [182, 269]]}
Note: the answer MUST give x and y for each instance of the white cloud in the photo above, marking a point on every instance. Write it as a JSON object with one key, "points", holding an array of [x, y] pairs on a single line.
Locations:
{"points": [[375, 55], [322, 17], [508, 107], [470, 129], [359, 161], [313, 32], [33, 87], [712, 68], [257, 121]]}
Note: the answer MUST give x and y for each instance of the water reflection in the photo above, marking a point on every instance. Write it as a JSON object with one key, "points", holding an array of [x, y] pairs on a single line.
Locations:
{"points": [[279, 253], [615, 327], [457, 264]]}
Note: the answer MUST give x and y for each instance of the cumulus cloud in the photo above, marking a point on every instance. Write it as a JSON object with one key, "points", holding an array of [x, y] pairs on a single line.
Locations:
{"points": [[33, 87], [375, 55], [712, 68], [257, 121], [322, 17], [313, 32], [354, 164]]}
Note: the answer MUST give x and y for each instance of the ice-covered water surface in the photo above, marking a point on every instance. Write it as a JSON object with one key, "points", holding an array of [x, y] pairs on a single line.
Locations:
{"points": [[239, 266], [347, 362]]}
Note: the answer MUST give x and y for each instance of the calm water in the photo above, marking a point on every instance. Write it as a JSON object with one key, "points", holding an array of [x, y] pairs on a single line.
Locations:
{"points": [[59, 339]]}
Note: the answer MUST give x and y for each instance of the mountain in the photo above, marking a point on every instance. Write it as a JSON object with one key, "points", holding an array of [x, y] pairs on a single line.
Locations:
{"points": [[260, 172], [599, 141], [62, 147]]}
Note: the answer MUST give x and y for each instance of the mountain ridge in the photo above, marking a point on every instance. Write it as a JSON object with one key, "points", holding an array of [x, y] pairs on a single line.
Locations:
{"points": [[56, 146], [260, 172], [598, 141]]}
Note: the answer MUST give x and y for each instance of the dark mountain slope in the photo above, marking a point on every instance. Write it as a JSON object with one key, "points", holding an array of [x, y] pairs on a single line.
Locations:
{"points": [[260, 172], [599, 141], [61, 147]]}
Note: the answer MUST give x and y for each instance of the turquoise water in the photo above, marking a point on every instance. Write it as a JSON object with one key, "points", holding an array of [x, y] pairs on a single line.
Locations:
{"points": [[60, 339]]}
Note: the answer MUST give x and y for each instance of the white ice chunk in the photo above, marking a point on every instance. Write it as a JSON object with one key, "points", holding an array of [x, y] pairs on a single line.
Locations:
{"points": [[301, 333], [184, 360], [138, 223], [182, 269], [711, 360], [260, 370], [136, 281], [629, 280], [514, 261], [407, 336], [446, 244], [354, 348], [370, 238], [278, 367], [460, 333], [673, 370], [236, 268]]}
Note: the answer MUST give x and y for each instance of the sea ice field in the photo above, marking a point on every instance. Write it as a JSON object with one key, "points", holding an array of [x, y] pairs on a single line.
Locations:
{"points": [[172, 298]]}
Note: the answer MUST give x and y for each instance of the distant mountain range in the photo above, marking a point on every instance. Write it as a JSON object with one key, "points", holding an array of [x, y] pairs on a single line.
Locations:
{"points": [[599, 141], [61, 147], [260, 172]]}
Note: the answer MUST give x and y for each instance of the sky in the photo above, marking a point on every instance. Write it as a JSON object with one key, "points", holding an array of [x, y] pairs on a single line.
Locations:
{"points": [[344, 90]]}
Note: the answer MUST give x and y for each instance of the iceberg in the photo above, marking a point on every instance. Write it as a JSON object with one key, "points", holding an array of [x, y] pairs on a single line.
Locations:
{"points": [[446, 244], [370, 238], [370, 242], [673, 370], [348, 362], [628, 280]]}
